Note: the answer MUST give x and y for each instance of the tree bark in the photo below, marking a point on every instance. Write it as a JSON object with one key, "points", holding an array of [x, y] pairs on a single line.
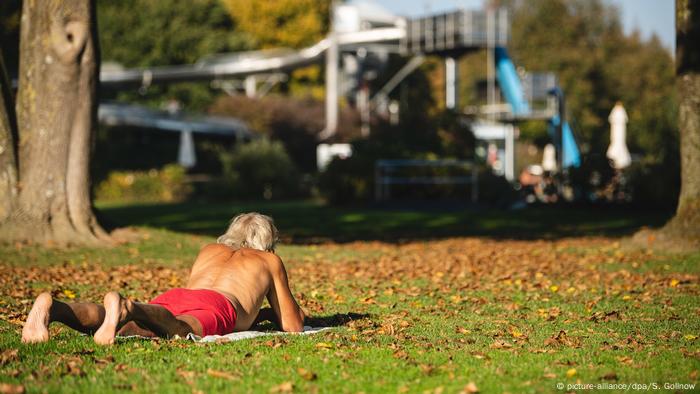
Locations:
{"points": [[56, 112], [8, 139], [682, 232], [686, 223]]}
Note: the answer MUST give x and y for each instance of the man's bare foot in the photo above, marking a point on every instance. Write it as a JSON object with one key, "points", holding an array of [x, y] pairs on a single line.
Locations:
{"points": [[115, 312], [36, 328]]}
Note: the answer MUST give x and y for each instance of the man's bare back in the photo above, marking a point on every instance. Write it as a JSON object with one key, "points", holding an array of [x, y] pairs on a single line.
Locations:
{"points": [[229, 281], [246, 276]]}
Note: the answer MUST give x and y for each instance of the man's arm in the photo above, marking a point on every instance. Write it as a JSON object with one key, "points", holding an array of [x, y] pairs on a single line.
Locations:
{"points": [[288, 313]]}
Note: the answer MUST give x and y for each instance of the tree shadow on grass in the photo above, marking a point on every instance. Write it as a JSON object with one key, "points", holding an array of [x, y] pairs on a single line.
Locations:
{"points": [[304, 222], [336, 320]]}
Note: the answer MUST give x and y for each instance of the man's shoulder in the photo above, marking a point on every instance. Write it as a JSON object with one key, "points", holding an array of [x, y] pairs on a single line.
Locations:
{"points": [[215, 248]]}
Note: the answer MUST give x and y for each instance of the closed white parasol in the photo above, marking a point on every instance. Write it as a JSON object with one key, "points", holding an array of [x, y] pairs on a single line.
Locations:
{"points": [[617, 151]]}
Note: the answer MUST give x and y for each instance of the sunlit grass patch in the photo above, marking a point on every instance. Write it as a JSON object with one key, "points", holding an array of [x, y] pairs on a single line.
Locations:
{"points": [[437, 315]]}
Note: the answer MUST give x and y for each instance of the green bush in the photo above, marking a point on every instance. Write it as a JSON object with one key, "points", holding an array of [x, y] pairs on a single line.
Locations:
{"points": [[348, 180], [295, 122], [259, 169], [165, 185]]}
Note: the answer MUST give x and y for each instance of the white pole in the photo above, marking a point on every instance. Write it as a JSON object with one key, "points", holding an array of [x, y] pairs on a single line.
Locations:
{"points": [[450, 83], [250, 86], [332, 56], [186, 155], [510, 153], [332, 87], [490, 62], [365, 115]]}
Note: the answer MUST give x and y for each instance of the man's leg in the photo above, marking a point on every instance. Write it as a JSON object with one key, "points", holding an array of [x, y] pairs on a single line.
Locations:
{"points": [[85, 317], [119, 311], [131, 328]]}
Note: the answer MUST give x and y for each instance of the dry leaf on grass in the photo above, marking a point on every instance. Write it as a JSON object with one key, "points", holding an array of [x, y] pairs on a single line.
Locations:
{"points": [[220, 374], [306, 374], [286, 387]]}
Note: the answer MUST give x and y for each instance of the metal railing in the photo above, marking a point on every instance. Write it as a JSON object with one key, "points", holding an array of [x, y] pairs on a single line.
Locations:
{"points": [[385, 176], [454, 31]]}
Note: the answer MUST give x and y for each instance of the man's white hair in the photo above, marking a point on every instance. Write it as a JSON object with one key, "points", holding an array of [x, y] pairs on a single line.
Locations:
{"points": [[251, 230]]}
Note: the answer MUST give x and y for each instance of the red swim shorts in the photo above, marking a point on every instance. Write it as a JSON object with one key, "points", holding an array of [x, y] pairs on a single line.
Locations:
{"points": [[214, 311]]}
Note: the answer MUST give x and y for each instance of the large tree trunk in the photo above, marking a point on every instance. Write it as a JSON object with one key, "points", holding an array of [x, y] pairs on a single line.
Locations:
{"points": [[56, 112], [8, 139], [682, 232], [686, 223]]}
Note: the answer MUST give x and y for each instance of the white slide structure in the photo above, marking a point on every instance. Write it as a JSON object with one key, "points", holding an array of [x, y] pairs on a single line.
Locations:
{"points": [[249, 63]]}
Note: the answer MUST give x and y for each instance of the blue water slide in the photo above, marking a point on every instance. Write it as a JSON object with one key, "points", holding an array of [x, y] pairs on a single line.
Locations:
{"points": [[572, 156], [509, 82], [512, 90]]}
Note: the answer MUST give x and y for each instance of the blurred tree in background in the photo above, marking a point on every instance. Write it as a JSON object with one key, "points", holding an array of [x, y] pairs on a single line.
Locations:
{"points": [[281, 23], [294, 121], [285, 24], [583, 42], [597, 65], [145, 33]]}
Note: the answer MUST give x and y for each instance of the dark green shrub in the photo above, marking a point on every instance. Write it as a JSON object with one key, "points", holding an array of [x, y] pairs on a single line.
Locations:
{"points": [[295, 122], [259, 169], [348, 180]]}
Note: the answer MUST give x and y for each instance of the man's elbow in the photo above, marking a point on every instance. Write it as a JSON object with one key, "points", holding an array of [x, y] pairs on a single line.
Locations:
{"points": [[297, 325]]}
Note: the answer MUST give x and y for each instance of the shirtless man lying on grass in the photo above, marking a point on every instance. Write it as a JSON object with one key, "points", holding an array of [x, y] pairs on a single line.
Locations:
{"points": [[224, 294]]}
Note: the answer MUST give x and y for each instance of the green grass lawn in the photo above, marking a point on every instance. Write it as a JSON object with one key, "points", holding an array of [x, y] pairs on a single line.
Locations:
{"points": [[308, 221], [465, 300]]}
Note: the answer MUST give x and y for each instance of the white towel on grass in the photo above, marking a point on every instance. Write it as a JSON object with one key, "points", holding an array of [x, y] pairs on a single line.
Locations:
{"points": [[237, 336]]}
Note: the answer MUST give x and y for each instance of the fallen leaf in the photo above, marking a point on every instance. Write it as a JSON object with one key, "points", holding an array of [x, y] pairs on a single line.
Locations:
{"points": [[571, 372], [306, 374], [605, 316], [500, 344], [480, 355], [220, 374], [609, 376], [426, 369], [471, 388], [286, 387], [516, 333], [324, 345], [8, 355], [562, 339]]}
